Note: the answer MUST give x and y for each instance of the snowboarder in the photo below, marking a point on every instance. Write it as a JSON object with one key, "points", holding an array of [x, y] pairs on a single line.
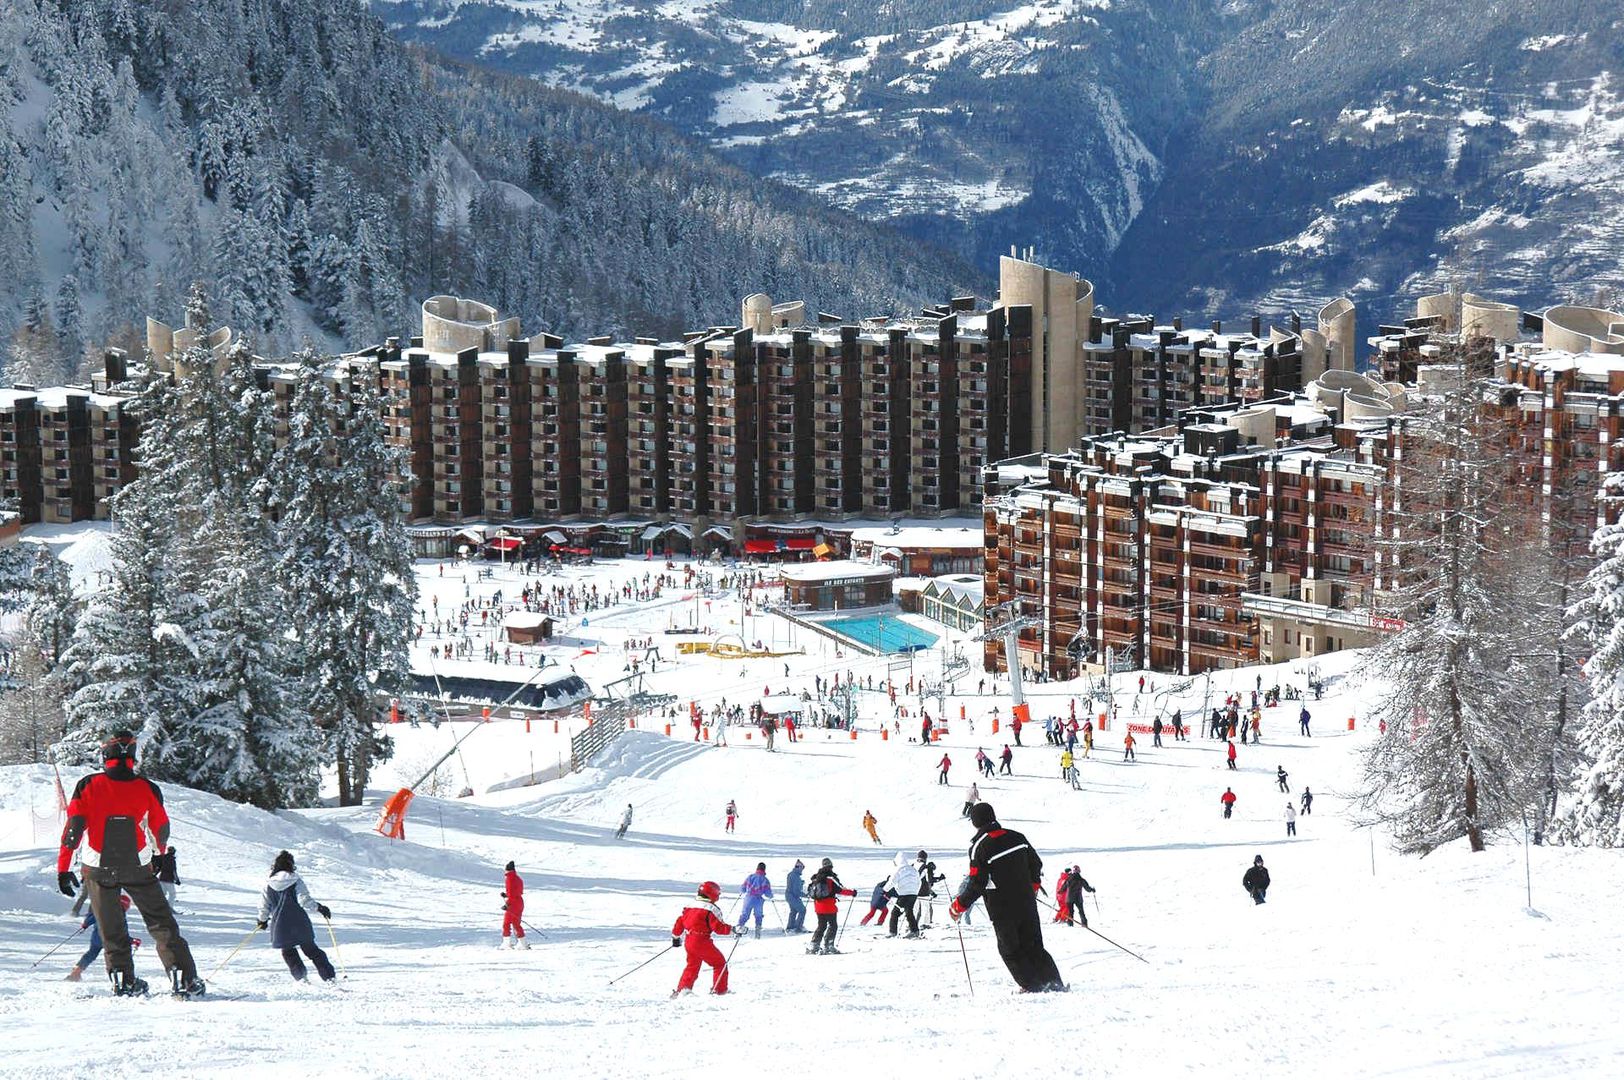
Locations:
{"points": [[1256, 880], [794, 890], [693, 929], [1308, 800], [1291, 819], [732, 814], [1231, 754], [1009, 886], [284, 906], [877, 902], [826, 890], [1127, 747], [95, 947], [1228, 799], [945, 764], [1005, 759], [871, 825], [903, 889], [1302, 723], [971, 797], [118, 858], [756, 890], [513, 909], [625, 823], [168, 874], [1280, 778], [1076, 885]]}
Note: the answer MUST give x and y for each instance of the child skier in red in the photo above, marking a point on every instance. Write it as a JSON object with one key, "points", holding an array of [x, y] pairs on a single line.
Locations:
{"points": [[513, 909], [698, 922]]}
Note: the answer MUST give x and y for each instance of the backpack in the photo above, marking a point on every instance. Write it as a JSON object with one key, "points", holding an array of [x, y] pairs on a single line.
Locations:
{"points": [[821, 888]]}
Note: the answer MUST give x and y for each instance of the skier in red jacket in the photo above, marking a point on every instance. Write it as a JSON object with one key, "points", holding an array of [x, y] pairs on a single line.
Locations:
{"points": [[118, 825], [698, 922], [513, 909]]}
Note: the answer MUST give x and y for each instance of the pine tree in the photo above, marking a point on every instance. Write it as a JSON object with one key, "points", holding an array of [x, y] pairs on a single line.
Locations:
{"points": [[53, 610], [346, 568], [1466, 744], [1597, 816], [31, 716]]}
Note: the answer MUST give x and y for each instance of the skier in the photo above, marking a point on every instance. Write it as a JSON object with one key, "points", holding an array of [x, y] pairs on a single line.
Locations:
{"points": [[732, 814], [1010, 887], [1062, 899], [903, 888], [1067, 764], [95, 947], [1006, 758], [625, 823], [697, 923], [945, 764], [1178, 725], [871, 825], [756, 890], [1156, 732], [284, 906], [971, 797], [1228, 799], [877, 902], [1291, 819], [166, 868], [117, 859], [1088, 738], [513, 909], [928, 877], [1127, 748], [983, 762], [1015, 726], [826, 890], [794, 889], [1231, 754], [1302, 723], [1308, 800], [1076, 885], [1256, 880], [1280, 778]]}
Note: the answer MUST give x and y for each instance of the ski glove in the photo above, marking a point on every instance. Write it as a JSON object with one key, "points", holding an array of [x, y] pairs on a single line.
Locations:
{"points": [[262, 924], [325, 912], [676, 942], [67, 883]]}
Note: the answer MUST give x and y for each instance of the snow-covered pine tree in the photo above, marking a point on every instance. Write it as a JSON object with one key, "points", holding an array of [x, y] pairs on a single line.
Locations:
{"points": [[1466, 745], [31, 717], [346, 566], [53, 610], [1596, 817]]}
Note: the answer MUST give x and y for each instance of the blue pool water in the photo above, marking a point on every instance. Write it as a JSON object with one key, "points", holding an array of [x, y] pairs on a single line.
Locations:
{"points": [[887, 634]]}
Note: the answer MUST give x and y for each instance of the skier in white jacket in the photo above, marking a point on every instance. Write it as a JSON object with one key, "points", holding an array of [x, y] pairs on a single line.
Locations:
{"points": [[625, 823], [903, 888], [283, 908]]}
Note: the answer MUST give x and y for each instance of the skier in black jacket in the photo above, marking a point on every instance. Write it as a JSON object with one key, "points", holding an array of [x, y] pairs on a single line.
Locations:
{"points": [[1076, 885], [1256, 880], [1006, 874]]}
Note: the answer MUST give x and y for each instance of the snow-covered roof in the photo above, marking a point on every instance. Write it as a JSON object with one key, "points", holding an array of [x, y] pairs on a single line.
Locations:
{"points": [[835, 571], [919, 537], [526, 620]]}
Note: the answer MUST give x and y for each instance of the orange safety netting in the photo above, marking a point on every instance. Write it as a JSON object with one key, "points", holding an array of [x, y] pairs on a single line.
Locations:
{"points": [[392, 822]]}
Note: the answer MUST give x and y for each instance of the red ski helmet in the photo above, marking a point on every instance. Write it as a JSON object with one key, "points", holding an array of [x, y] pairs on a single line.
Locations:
{"points": [[709, 890]]}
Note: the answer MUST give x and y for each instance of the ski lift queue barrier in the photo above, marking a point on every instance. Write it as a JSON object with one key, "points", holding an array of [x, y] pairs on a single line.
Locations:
{"points": [[593, 739]]}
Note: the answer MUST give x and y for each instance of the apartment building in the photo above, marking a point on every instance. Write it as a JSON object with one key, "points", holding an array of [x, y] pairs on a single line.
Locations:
{"points": [[1240, 535]]}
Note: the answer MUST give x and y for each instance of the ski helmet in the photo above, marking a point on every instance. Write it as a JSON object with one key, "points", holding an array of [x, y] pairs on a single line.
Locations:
{"points": [[1257, 860], [982, 815], [828, 864], [923, 855], [509, 866], [709, 890], [761, 868], [119, 750]]}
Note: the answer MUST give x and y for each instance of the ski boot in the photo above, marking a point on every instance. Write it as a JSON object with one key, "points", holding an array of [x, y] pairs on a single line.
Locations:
{"points": [[183, 988], [524, 943], [758, 933], [830, 950], [125, 984]]}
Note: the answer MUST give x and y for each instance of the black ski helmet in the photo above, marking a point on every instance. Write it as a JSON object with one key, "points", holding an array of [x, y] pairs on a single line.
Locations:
{"points": [[828, 864], [119, 749], [923, 855], [982, 815]]}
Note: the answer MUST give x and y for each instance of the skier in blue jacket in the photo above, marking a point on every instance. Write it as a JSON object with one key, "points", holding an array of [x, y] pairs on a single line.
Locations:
{"points": [[757, 889], [284, 907], [793, 892]]}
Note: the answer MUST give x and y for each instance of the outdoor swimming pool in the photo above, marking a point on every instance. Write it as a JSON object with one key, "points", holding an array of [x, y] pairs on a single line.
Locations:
{"points": [[887, 633]]}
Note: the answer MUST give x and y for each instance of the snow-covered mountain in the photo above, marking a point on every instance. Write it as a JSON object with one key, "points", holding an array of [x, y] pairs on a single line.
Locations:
{"points": [[1196, 155]]}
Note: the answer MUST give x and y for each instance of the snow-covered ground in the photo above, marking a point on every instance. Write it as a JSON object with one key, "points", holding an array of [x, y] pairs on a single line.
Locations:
{"points": [[1361, 963]]}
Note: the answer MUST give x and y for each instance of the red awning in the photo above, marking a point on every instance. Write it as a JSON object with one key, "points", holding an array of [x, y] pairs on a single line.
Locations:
{"points": [[800, 543], [505, 543], [760, 547]]}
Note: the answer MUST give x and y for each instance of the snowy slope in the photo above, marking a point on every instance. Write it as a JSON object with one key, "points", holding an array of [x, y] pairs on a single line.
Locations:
{"points": [[1430, 968]]}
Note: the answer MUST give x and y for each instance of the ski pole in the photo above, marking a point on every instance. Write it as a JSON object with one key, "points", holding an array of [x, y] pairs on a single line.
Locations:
{"points": [[332, 937], [846, 918], [233, 954], [639, 967], [964, 953], [533, 929], [1108, 941], [58, 945], [781, 923], [727, 962]]}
